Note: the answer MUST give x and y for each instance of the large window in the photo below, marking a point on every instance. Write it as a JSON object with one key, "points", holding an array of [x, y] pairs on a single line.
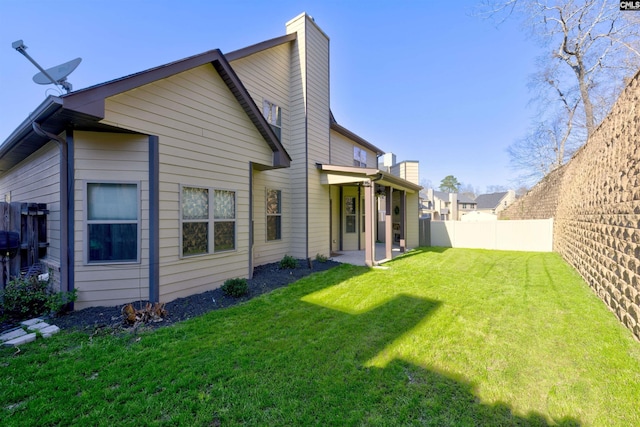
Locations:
{"points": [[113, 222], [202, 225], [273, 114], [274, 215]]}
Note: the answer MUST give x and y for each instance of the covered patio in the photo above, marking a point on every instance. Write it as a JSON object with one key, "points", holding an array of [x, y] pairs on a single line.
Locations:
{"points": [[358, 257], [377, 191]]}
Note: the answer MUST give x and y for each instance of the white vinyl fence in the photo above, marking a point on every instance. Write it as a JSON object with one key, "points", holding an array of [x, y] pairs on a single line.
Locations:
{"points": [[526, 235]]}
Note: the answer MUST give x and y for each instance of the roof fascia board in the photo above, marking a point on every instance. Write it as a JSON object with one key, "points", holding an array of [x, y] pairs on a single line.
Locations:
{"points": [[91, 101], [46, 109], [377, 175], [352, 136], [399, 182], [259, 47], [280, 156]]}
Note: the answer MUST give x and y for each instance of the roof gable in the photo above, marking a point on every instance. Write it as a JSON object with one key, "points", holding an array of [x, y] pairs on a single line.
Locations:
{"points": [[490, 201], [87, 106]]}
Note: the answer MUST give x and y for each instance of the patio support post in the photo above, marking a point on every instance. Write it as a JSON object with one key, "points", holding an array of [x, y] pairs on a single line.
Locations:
{"points": [[403, 220], [388, 222], [369, 242]]}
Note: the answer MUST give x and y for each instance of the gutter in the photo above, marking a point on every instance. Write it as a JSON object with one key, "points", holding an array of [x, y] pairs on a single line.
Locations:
{"points": [[45, 110]]}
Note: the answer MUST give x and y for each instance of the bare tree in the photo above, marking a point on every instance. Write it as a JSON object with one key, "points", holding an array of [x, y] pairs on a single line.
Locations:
{"points": [[596, 43], [468, 190], [496, 189], [591, 48], [426, 183]]}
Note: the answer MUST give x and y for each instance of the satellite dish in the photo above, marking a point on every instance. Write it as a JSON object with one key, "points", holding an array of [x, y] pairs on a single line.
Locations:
{"points": [[55, 75], [58, 73]]}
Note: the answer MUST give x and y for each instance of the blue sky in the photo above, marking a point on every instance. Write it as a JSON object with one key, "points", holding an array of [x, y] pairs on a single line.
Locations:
{"points": [[425, 80]]}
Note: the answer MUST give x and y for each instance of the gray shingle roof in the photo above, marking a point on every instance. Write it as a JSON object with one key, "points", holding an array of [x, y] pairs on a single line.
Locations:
{"points": [[489, 201], [441, 195], [463, 198]]}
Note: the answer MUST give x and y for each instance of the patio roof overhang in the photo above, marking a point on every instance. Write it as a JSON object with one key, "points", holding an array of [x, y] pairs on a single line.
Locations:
{"points": [[345, 175]]}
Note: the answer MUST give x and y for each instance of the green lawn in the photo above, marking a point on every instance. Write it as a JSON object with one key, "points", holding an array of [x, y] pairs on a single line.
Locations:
{"points": [[440, 337]]}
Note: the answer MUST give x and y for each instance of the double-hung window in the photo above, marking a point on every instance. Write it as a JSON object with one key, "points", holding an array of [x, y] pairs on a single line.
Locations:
{"points": [[274, 215], [359, 157], [113, 222], [273, 114], [208, 220]]}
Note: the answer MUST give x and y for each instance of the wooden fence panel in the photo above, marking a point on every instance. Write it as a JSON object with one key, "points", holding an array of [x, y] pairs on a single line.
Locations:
{"points": [[30, 221]]}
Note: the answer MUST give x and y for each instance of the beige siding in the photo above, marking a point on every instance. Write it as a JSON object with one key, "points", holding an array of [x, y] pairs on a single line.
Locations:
{"points": [[37, 180], [205, 139], [270, 251], [310, 93], [412, 234], [408, 170], [118, 158], [265, 75], [318, 122], [298, 137], [342, 151], [335, 218]]}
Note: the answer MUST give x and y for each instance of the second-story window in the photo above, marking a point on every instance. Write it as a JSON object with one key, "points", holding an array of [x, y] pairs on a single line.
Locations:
{"points": [[359, 157], [273, 114]]}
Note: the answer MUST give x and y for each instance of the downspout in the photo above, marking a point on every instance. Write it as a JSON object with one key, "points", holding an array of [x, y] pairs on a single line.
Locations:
{"points": [[66, 190], [154, 219], [250, 251]]}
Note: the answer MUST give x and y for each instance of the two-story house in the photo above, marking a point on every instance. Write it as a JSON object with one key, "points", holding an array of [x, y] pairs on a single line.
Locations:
{"points": [[167, 182]]}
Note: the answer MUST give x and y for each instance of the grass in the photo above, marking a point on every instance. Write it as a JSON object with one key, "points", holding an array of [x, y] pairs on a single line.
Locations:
{"points": [[442, 337]]}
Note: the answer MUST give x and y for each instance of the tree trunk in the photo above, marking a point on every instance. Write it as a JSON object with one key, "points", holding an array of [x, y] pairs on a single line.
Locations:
{"points": [[589, 120]]}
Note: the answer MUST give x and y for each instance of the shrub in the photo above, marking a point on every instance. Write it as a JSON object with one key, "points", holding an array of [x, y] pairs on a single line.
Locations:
{"points": [[59, 301], [288, 262], [27, 296], [321, 258], [235, 287]]}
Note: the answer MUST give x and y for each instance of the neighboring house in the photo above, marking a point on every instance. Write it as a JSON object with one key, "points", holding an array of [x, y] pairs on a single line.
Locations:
{"points": [[442, 206], [495, 202], [167, 182], [465, 205]]}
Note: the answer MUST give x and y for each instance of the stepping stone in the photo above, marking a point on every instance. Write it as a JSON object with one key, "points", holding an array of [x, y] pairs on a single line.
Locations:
{"points": [[38, 326], [49, 330], [8, 336], [31, 322], [21, 340]]}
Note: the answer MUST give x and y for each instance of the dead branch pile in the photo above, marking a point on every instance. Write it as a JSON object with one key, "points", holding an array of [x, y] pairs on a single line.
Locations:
{"points": [[150, 313]]}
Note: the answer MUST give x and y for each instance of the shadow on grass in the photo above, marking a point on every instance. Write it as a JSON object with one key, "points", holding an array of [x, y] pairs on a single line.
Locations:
{"points": [[449, 401], [401, 392], [420, 251], [279, 359]]}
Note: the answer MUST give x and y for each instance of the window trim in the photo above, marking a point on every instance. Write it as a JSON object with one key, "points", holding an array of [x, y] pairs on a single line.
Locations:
{"points": [[275, 126], [348, 215], [87, 222], [211, 221], [267, 214], [359, 157]]}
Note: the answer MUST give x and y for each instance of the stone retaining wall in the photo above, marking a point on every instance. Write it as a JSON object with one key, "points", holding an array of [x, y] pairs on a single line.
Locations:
{"points": [[595, 200]]}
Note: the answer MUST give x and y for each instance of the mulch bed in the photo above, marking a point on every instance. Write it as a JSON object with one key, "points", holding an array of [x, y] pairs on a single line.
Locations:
{"points": [[265, 279]]}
